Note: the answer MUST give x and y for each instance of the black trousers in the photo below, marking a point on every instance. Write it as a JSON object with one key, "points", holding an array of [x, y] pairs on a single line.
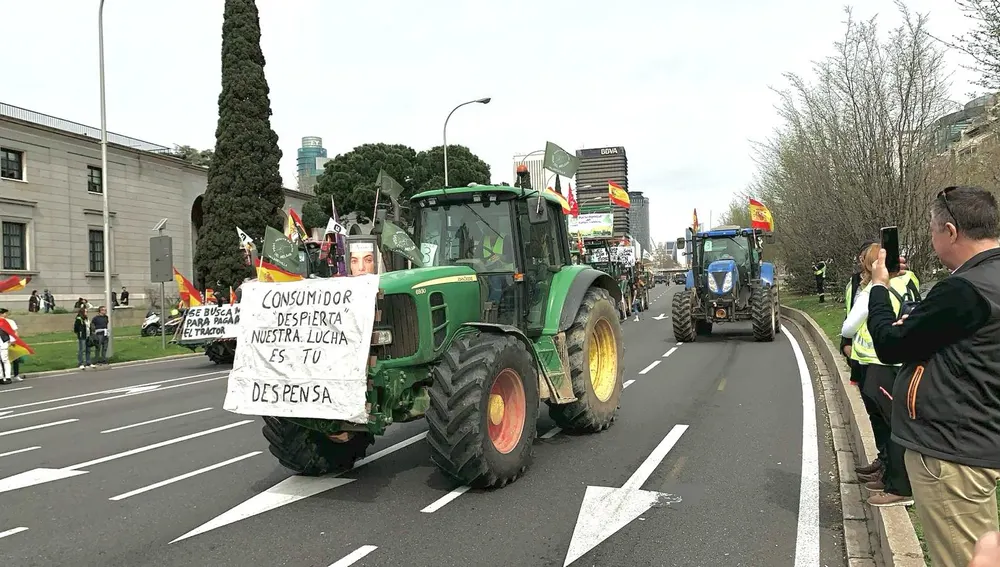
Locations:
{"points": [[878, 385], [880, 427]]}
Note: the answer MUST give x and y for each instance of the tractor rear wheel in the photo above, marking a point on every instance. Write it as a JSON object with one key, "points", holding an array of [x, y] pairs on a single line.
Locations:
{"points": [[763, 314], [681, 314], [309, 452], [483, 410], [596, 360], [220, 352]]}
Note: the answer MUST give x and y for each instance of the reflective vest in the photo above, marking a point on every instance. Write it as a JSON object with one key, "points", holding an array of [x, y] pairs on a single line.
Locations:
{"points": [[493, 251], [822, 271], [862, 348]]}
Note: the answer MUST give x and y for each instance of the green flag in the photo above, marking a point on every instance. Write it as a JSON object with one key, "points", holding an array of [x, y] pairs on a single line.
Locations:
{"points": [[395, 239], [558, 160], [389, 186], [280, 251]]}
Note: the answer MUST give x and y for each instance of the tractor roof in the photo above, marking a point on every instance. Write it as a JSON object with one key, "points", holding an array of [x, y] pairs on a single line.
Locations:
{"points": [[471, 189], [728, 231]]}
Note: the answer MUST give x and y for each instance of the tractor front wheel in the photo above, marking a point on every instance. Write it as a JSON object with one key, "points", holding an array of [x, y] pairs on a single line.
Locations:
{"points": [[596, 361], [681, 314], [763, 314], [309, 452], [483, 410]]}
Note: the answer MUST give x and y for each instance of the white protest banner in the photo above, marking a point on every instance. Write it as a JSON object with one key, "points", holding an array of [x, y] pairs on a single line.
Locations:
{"points": [[303, 349], [210, 322]]}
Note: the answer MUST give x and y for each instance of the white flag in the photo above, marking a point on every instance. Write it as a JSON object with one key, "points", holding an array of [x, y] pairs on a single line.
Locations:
{"points": [[245, 241], [334, 227]]}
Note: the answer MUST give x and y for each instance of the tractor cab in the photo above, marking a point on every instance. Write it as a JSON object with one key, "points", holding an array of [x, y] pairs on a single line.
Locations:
{"points": [[513, 243]]}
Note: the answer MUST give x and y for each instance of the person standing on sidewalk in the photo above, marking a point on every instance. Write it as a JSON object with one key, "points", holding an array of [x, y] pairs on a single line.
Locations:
{"points": [[6, 372], [81, 327], [15, 365], [100, 332], [946, 402]]}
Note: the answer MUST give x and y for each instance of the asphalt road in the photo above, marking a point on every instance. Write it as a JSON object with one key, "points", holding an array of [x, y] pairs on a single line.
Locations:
{"points": [[139, 466]]}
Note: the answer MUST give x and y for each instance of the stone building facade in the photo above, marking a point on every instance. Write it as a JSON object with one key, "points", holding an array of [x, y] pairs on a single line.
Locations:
{"points": [[51, 208]]}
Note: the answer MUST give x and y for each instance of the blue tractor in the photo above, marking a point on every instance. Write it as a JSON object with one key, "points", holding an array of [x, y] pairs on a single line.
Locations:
{"points": [[728, 282]]}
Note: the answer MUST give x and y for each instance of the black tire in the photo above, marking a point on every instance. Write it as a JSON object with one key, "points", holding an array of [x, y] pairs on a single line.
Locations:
{"points": [[681, 315], [309, 452], [220, 352], [589, 414], [702, 327], [777, 311], [763, 315], [458, 417], [151, 330]]}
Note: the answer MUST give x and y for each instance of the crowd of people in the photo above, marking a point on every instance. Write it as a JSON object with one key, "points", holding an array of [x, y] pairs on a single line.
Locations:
{"points": [[929, 373]]}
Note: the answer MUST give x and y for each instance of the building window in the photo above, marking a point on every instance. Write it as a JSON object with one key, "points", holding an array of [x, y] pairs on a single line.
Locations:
{"points": [[96, 248], [95, 182], [11, 164], [15, 246]]}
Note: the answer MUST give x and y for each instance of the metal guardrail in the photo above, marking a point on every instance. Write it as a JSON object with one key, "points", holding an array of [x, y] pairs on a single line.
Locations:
{"points": [[18, 113]]}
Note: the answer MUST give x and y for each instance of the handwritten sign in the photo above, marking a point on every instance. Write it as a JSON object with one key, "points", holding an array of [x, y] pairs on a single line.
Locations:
{"points": [[208, 322], [303, 349]]}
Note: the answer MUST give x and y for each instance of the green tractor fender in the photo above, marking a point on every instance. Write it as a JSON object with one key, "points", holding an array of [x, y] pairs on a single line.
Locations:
{"points": [[567, 291]]}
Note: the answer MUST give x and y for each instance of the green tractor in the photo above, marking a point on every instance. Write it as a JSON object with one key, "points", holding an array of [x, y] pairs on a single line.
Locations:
{"points": [[497, 319]]}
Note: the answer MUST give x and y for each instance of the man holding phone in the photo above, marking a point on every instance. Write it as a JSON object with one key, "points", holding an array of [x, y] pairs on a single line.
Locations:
{"points": [[946, 402]]}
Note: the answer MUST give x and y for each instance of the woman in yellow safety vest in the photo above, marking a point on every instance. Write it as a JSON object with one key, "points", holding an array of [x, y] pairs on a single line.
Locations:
{"points": [[891, 485]]}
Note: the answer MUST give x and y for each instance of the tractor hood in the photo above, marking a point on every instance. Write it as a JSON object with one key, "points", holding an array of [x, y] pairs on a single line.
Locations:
{"points": [[405, 281], [722, 274]]}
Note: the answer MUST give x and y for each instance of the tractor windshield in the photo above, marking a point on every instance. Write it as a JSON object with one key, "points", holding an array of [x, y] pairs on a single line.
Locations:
{"points": [[477, 235], [724, 248]]}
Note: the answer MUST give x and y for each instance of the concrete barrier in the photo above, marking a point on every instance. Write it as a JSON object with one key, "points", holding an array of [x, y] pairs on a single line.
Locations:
{"points": [[36, 323], [891, 529]]}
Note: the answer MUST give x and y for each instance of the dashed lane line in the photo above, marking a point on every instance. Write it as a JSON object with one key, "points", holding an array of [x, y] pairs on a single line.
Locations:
{"points": [[34, 427], [355, 556], [447, 498], [6, 391], [12, 532], [19, 451], [669, 352], [651, 366], [157, 420], [184, 476]]}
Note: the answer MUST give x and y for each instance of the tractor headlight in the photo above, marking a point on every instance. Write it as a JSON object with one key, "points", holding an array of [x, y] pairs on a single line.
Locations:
{"points": [[381, 337], [712, 285], [727, 284]]}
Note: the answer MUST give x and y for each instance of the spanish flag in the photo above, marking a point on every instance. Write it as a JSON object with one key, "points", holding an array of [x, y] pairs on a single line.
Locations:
{"points": [[562, 200], [232, 296], [19, 348], [190, 296], [760, 216], [618, 195], [268, 272], [14, 283], [294, 229]]}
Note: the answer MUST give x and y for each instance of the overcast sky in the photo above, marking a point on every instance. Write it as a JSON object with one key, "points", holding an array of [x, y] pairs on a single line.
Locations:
{"points": [[683, 85]]}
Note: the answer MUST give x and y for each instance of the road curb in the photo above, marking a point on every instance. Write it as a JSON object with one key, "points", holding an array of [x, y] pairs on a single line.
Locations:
{"points": [[891, 531], [69, 371]]}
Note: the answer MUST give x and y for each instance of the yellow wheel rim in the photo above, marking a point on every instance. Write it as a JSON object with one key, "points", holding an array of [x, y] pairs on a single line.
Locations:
{"points": [[603, 360], [496, 409]]}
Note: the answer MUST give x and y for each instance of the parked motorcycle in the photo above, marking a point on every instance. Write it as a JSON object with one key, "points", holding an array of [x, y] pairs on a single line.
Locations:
{"points": [[151, 324]]}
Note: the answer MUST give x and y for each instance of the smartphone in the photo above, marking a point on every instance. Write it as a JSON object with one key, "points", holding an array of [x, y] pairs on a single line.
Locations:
{"points": [[890, 243]]}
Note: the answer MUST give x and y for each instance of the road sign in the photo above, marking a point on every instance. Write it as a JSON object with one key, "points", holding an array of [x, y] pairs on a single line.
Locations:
{"points": [[604, 511], [161, 259]]}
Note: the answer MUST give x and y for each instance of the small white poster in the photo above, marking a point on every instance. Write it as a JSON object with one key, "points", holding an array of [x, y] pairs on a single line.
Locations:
{"points": [[303, 349], [207, 322]]}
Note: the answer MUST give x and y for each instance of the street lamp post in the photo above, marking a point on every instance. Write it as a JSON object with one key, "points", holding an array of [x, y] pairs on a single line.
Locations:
{"points": [[445, 131], [104, 180]]}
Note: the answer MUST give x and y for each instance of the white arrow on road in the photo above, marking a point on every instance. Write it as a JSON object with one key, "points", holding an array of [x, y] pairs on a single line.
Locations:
{"points": [[135, 389], [2, 413], [607, 510], [661, 317]]}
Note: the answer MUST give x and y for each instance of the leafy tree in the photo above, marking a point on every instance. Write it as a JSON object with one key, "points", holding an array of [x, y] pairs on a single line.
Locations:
{"points": [[982, 41], [464, 167], [244, 183], [193, 156]]}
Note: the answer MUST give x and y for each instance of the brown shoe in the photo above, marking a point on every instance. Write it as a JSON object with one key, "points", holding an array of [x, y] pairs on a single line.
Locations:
{"points": [[875, 486], [873, 477], [875, 465], [888, 499]]}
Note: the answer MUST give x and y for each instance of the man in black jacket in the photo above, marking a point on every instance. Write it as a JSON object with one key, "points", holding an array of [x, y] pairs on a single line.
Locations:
{"points": [[946, 402]]}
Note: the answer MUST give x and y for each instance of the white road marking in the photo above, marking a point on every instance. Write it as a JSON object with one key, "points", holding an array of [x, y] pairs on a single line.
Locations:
{"points": [[651, 366], [807, 532], [87, 402], [184, 476], [355, 556], [547, 435], [679, 344], [12, 532], [157, 420], [102, 392], [34, 427], [6, 391], [669, 352], [661, 317], [43, 475], [627, 384], [25, 450], [604, 510], [292, 489], [3, 413], [441, 502], [135, 389]]}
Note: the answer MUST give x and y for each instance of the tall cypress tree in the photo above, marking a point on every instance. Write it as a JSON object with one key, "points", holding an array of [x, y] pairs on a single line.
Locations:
{"points": [[244, 182]]}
